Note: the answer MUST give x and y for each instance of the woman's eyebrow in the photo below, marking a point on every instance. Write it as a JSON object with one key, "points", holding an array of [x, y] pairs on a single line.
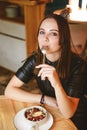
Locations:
{"points": [[54, 30], [41, 29], [50, 30]]}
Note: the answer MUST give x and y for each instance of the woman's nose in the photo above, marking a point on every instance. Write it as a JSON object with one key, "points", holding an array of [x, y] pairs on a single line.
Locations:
{"points": [[46, 38]]}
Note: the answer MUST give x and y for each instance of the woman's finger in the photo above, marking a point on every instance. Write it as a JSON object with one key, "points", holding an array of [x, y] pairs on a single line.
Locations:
{"points": [[42, 66]]}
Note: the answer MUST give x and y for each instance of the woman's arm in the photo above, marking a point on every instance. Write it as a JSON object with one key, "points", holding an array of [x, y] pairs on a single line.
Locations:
{"points": [[66, 104], [14, 91]]}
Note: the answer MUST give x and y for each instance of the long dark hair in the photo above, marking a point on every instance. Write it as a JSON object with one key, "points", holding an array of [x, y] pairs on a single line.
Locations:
{"points": [[65, 43]]}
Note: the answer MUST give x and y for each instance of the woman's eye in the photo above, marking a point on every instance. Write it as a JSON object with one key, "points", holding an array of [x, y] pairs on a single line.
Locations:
{"points": [[41, 32], [54, 34]]}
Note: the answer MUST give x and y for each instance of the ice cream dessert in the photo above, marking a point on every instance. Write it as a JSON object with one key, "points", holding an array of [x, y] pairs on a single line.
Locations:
{"points": [[35, 114]]}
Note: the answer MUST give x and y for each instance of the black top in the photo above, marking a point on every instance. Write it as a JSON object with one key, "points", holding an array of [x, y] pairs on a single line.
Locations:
{"points": [[74, 85]]}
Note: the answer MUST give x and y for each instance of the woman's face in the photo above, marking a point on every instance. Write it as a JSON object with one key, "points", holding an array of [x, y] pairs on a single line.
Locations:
{"points": [[48, 36]]}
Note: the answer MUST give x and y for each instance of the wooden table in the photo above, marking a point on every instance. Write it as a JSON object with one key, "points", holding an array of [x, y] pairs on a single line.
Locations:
{"points": [[8, 109]]}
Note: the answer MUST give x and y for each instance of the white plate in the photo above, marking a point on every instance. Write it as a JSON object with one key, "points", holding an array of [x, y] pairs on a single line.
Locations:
{"points": [[48, 123], [46, 126]]}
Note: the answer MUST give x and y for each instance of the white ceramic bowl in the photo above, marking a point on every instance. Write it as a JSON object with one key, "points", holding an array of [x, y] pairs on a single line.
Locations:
{"points": [[22, 123]]}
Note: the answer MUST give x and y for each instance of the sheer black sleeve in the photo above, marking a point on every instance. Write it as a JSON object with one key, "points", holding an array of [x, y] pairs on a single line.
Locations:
{"points": [[25, 73], [77, 81]]}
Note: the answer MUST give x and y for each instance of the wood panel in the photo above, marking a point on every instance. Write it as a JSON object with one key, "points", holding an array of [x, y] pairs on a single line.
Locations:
{"points": [[33, 16]]}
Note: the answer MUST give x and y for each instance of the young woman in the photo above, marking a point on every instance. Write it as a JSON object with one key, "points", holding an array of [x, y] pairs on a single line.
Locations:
{"points": [[62, 76]]}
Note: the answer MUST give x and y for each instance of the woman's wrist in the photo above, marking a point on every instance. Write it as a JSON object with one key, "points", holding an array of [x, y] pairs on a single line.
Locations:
{"points": [[50, 101], [42, 100]]}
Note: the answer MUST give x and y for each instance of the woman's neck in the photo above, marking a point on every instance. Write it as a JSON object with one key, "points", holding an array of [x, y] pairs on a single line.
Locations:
{"points": [[53, 57]]}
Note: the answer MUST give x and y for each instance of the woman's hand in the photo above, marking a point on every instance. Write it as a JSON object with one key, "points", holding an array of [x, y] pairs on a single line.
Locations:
{"points": [[47, 71]]}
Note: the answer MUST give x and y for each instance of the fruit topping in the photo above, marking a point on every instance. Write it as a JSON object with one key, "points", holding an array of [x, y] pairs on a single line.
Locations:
{"points": [[35, 114]]}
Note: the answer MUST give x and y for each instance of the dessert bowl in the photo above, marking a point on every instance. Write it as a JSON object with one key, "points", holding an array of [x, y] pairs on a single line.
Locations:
{"points": [[30, 118]]}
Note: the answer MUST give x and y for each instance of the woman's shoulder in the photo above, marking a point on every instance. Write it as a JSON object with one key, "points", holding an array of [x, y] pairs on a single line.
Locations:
{"points": [[29, 62], [78, 62], [31, 58], [77, 59], [25, 72]]}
